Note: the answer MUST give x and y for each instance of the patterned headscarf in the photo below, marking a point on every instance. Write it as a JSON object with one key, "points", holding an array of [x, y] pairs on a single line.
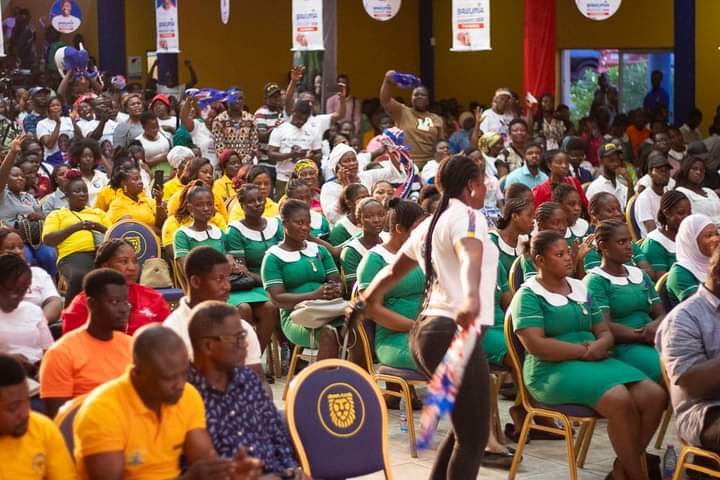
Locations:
{"points": [[307, 163], [487, 141], [394, 140]]}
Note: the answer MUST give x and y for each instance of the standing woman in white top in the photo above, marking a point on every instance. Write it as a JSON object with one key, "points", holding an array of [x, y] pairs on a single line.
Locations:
{"points": [[85, 156], [460, 263], [50, 129], [689, 181], [155, 142]]}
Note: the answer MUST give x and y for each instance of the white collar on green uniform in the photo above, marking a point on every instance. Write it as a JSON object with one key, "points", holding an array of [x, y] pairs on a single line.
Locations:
{"points": [[212, 233], [386, 255], [271, 228], [350, 227], [578, 292], [311, 250], [634, 276], [660, 238]]}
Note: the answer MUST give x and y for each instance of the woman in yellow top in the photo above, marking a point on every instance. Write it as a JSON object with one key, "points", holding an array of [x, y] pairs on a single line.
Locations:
{"points": [[181, 218], [132, 203], [106, 195], [197, 168], [260, 176], [229, 164], [76, 231]]}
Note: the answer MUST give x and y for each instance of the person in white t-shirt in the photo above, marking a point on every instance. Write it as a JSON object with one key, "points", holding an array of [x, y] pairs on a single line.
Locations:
{"points": [[50, 129], [460, 264], [208, 278], [193, 121], [155, 142], [498, 118], [293, 141], [648, 202], [609, 181], [160, 104], [24, 331]]}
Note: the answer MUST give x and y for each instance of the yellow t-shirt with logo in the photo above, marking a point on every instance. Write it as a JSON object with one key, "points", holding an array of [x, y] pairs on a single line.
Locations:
{"points": [[39, 454], [105, 197], [113, 418], [80, 241], [171, 225], [142, 211]]}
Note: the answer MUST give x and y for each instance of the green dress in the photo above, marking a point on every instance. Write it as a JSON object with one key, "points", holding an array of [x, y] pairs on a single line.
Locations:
{"points": [[681, 283], [578, 232], [343, 231], [405, 298], [592, 259], [350, 256], [508, 253], [568, 318], [528, 265], [251, 245], [659, 251], [299, 272], [319, 226], [186, 239], [494, 337], [629, 301]]}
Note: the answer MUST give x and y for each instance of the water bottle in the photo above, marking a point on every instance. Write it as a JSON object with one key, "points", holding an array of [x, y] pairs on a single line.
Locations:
{"points": [[668, 462], [403, 417]]}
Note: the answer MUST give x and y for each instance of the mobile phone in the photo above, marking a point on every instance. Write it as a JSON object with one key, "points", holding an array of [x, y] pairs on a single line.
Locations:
{"points": [[159, 179]]}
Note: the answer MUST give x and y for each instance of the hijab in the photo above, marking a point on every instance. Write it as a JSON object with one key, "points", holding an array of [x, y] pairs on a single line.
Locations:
{"points": [[689, 255], [337, 153]]}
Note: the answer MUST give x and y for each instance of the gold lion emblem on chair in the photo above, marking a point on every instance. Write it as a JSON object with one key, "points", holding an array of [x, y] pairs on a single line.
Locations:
{"points": [[342, 409]]}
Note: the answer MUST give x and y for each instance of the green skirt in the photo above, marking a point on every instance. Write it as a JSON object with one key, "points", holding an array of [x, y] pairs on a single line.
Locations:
{"points": [[303, 336], [392, 349], [255, 295], [494, 345]]}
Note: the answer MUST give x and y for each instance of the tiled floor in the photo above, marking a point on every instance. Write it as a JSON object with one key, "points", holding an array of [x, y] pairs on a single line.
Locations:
{"points": [[543, 460]]}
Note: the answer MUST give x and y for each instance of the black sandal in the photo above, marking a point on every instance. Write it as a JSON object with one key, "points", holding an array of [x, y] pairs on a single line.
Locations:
{"points": [[502, 460]]}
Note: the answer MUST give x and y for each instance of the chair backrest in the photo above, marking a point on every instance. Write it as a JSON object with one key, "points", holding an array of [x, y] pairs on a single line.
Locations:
{"points": [[516, 350], [366, 333], [662, 291], [515, 276], [631, 219], [65, 418], [139, 235], [334, 412]]}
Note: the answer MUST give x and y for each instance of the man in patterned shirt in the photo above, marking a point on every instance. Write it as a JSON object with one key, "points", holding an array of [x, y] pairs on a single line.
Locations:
{"points": [[234, 129], [238, 411]]}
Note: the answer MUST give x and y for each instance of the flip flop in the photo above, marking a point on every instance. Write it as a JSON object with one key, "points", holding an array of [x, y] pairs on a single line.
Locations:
{"points": [[497, 460]]}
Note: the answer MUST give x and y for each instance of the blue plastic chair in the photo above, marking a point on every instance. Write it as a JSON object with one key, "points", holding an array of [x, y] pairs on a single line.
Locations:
{"points": [[338, 422], [65, 419]]}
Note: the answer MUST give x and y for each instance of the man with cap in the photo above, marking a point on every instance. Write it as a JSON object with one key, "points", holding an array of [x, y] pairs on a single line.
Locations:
{"points": [[498, 118], [648, 201], [40, 99], [609, 154], [234, 129], [460, 140], [267, 117]]}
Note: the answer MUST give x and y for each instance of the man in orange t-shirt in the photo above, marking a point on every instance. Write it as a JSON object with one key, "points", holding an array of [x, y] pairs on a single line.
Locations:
{"points": [[85, 358]]}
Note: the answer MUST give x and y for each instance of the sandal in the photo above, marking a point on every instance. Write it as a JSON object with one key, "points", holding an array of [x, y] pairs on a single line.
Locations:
{"points": [[501, 460], [514, 435]]}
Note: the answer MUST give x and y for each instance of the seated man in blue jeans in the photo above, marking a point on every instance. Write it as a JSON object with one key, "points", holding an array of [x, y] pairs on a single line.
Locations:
{"points": [[689, 344], [238, 411]]}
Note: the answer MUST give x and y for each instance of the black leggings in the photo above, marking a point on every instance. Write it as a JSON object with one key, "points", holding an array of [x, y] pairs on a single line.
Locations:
{"points": [[460, 453], [74, 267]]}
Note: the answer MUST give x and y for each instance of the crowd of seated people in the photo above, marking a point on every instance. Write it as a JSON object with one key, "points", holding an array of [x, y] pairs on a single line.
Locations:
{"points": [[259, 213]]}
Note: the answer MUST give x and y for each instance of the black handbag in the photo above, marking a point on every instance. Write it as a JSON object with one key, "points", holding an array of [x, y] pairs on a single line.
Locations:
{"points": [[30, 230], [240, 282]]}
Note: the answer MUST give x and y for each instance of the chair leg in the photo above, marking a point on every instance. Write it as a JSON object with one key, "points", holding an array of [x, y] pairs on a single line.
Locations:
{"points": [[667, 416], [276, 355], [499, 379], [572, 466], [682, 459], [580, 440], [291, 368], [586, 443], [524, 434]]}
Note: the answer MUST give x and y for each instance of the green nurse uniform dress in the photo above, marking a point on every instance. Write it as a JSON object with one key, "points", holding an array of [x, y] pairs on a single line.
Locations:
{"points": [[244, 242], [405, 298], [628, 300], [659, 251], [319, 226], [508, 253], [681, 283], [567, 318], [299, 272], [494, 337], [186, 239], [578, 232], [350, 256], [592, 259], [343, 231]]}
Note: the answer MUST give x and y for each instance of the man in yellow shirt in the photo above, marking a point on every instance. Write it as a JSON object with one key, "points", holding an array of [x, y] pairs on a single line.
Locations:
{"points": [[31, 446], [138, 426]]}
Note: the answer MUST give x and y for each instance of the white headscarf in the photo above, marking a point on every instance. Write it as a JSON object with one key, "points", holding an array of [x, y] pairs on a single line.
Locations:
{"points": [[689, 255], [179, 154], [337, 153]]}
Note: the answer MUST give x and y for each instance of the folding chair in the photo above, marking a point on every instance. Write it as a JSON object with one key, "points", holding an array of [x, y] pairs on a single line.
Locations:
{"points": [[661, 288], [631, 219], [515, 276], [65, 418]]}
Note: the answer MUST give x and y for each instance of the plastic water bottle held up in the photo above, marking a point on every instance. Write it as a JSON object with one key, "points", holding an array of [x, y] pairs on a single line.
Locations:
{"points": [[668, 462], [403, 417]]}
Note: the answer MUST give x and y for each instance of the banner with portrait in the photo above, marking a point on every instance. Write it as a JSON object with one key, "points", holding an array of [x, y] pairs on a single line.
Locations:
{"points": [[65, 16], [307, 25], [470, 25], [166, 26], [598, 10]]}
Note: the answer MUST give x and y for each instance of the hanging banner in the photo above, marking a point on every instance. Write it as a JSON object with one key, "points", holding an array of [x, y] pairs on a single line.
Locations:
{"points": [[225, 11], [598, 10], [382, 10], [470, 25], [65, 16], [166, 24], [307, 23]]}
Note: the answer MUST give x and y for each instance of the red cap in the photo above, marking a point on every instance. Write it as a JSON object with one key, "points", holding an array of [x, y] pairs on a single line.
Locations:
{"points": [[161, 98]]}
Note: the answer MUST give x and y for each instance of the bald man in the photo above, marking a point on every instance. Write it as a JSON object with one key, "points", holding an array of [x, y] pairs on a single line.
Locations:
{"points": [[139, 425]]}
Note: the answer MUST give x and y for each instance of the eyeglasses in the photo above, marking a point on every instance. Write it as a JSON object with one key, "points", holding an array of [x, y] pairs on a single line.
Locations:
{"points": [[237, 339]]}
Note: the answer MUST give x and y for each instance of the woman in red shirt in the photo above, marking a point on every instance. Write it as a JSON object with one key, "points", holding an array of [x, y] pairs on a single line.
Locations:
{"points": [[557, 163], [147, 305]]}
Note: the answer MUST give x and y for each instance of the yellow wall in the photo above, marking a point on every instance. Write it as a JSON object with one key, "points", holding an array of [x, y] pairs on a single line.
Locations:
{"points": [[475, 75], [707, 59], [139, 29], [368, 48], [88, 28]]}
